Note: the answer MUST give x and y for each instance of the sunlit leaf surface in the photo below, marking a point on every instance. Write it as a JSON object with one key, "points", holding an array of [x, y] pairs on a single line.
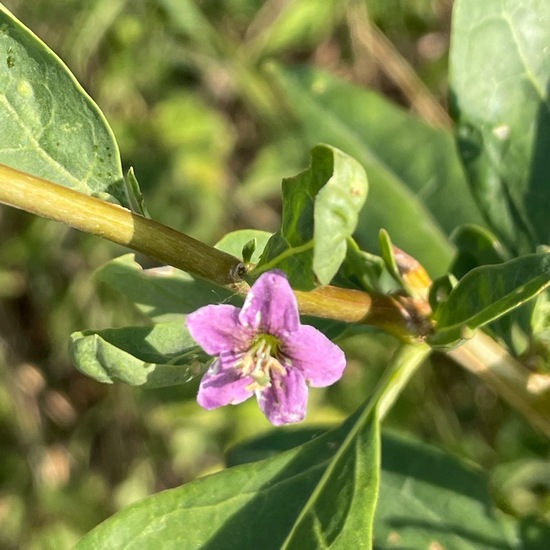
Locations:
{"points": [[502, 103], [50, 126]]}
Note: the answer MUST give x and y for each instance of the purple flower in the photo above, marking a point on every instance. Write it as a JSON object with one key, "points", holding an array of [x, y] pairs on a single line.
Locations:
{"points": [[263, 349]]}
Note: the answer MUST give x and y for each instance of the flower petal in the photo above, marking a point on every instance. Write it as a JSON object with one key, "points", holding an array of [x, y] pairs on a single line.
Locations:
{"points": [[216, 328], [284, 402], [270, 305], [222, 385], [321, 361]]}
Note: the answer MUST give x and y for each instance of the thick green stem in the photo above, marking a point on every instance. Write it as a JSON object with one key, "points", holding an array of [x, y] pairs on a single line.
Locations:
{"points": [[116, 224]]}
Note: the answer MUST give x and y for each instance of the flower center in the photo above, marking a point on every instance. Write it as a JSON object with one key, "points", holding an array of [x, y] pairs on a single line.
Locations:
{"points": [[261, 361]]}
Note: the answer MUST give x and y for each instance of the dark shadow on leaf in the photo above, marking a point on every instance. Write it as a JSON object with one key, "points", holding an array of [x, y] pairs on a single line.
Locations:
{"points": [[418, 455], [538, 195], [271, 513], [281, 501], [162, 292]]}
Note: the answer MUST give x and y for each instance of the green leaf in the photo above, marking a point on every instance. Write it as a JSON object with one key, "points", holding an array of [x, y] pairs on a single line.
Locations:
{"points": [[429, 499], [164, 293], [360, 270], [50, 127], [152, 357], [320, 212], [486, 293], [138, 201], [317, 495], [336, 211], [501, 101], [476, 246], [388, 255], [248, 250], [426, 496], [413, 168]]}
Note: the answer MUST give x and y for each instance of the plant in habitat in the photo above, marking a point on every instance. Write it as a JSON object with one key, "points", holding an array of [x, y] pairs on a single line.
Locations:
{"points": [[257, 314]]}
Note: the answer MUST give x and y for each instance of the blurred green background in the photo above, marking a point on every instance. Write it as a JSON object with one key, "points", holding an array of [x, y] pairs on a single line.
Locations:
{"points": [[184, 86]]}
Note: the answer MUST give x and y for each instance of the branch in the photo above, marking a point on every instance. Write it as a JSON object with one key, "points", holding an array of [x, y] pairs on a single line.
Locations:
{"points": [[482, 356], [117, 224], [168, 246]]}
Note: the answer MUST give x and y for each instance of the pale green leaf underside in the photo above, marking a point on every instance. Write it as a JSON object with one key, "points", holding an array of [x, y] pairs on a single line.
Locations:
{"points": [[50, 127], [152, 357], [336, 213]]}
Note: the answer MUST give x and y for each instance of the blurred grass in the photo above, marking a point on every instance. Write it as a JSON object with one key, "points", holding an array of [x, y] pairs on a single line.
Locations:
{"points": [[182, 85]]}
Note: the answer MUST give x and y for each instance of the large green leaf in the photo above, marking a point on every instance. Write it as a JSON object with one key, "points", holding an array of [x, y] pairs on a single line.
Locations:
{"points": [[500, 77], [50, 126], [429, 499], [418, 191], [152, 357], [336, 212], [488, 292], [426, 496], [318, 495], [320, 212]]}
